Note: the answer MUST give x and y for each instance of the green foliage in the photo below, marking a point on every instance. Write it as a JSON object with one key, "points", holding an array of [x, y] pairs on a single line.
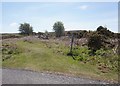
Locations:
{"points": [[8, 51], [58, 27], [80, 53], [108, 58], [100, 52], [26, 29]]}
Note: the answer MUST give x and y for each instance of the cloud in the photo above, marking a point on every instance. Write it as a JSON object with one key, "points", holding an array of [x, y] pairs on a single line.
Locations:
{"points": [[14, 24], [83, 7]]}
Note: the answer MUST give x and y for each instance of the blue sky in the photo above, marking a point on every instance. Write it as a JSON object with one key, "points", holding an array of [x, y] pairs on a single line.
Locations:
{"points": [[74, 15]]}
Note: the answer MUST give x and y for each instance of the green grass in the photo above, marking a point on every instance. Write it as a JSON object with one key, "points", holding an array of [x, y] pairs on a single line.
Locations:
{"points": [[51, 56]]}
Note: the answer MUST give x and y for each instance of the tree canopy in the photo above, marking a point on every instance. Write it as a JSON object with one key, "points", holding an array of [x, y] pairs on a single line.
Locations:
{"points": [[58, 27], [25, 29]]}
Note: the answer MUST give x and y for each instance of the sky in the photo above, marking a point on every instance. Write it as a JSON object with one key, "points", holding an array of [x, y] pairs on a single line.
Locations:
{"points": [[74, 15]]}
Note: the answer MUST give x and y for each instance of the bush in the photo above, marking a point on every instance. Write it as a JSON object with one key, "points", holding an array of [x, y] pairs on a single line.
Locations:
{"points": [[95, 42]]}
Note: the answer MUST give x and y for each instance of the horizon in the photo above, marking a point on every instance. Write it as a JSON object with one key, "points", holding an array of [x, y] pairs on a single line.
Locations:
{"points": [[54, 31], [74, 15]]}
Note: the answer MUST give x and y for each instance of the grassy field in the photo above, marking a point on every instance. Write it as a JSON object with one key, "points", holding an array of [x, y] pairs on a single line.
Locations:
{"points": [[51, 55]]}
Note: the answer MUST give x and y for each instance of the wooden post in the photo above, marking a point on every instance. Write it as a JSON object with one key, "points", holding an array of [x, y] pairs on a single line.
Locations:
{"points": [[72, 40]]}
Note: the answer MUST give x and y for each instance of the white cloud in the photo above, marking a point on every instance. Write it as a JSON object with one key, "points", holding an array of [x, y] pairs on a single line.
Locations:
{"points": [[14, 24], [83, 7]]}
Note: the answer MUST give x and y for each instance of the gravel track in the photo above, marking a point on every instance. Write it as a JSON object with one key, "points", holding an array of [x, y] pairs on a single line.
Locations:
{"points": [[14, 76]]}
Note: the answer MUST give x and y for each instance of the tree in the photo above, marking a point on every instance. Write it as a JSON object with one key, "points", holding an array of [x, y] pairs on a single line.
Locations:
{"points": [[58, 27], [46, 32], [25, 29]]}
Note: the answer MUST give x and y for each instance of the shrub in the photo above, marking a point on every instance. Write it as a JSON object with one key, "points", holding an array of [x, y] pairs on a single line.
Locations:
{"points": [[104, 31], [95, 42]]}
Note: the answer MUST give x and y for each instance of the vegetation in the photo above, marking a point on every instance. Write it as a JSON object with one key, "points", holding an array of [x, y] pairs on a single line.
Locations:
{"points": [[95, 42], [96, 57], [25, 29], [58, 27], [38, 55], [9, 50], [6, 36], [103, 31], [46, 33]]}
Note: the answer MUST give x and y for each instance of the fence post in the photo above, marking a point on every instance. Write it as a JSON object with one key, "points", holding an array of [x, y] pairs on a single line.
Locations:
{"points": [[72, 40]]}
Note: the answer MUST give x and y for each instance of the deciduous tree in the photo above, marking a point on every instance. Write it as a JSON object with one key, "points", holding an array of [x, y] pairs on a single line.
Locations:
{"points": [[58, 27], [25, 29]]}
